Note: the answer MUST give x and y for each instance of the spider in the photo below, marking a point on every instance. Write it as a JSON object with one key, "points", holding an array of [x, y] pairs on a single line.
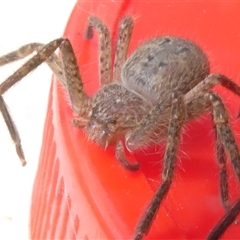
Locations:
{"points": [[144, 99]]}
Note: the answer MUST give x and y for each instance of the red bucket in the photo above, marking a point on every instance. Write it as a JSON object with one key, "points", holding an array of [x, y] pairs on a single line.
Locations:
{"points": [[81, 191]]}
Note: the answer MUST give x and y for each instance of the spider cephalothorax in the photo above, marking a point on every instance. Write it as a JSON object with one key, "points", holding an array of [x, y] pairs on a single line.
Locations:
{"points": [[162, 85], [111, 117]]}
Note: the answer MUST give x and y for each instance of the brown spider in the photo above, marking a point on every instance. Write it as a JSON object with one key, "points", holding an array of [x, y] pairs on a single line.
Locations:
{"points": [[151, 95]]}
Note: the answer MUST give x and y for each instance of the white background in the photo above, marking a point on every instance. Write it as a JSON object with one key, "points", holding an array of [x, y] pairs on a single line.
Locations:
{"points": [[21, 22]]}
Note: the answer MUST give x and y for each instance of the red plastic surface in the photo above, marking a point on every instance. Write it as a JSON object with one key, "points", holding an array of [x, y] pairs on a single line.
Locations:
{"points": [[82, 192]]}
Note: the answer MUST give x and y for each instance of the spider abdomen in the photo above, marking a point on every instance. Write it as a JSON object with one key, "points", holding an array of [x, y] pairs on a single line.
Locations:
{"points": [[163, 65]]}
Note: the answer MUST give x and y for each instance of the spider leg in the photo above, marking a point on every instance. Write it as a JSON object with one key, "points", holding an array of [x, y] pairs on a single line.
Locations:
{"points": [[176, 121], [120, 155], [227, 83], [202, 103], [67, 70], [224, 135], [224, 132], [124, 36], [80, 122], [12, 130], [221, 132], [31, 64], [225, 143], [225, 222], [54, 62], [208, 83], [21, 53], [79, 100], [222, 161], [105, 55]]}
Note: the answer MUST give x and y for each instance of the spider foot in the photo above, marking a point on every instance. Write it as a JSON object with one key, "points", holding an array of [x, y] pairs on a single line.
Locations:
{"points": [[123, 160]]}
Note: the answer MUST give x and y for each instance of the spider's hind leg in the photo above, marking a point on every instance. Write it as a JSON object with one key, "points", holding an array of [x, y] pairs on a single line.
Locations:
{"points": [[19, 54], [225, 140], [12, 130], [224, 131], [222, 162], [30, 65], [225, 143], [53, 61], [26, 68]]}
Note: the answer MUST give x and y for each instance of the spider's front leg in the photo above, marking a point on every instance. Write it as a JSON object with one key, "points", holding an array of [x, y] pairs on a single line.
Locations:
{"points": [[178, 115], [30, 65], [105, 47], [53, 61], [123, 40], [81, 103], [12, 130], [66, 70], [40, 57]]}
